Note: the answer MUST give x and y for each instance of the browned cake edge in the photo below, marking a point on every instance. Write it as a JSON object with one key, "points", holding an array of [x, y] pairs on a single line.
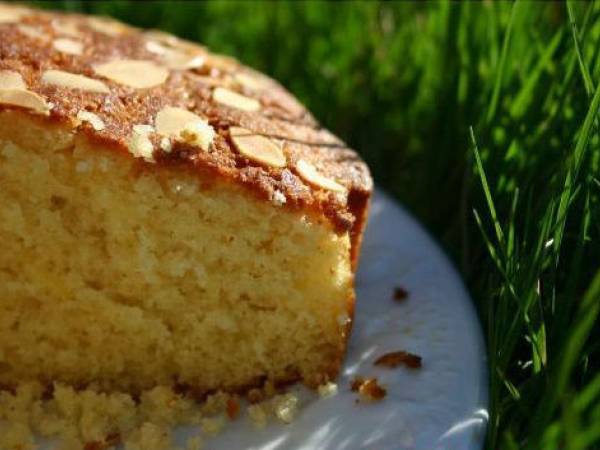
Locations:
{"points": [[336, 185], [66, 67]]}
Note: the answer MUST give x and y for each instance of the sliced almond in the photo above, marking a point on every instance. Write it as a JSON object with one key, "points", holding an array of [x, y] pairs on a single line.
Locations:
{"points": [[68, 46], [134, 73], [223, 63], [310, 174], [91, 118], [24, 99], [106, 25], [250, 82], [181, 61], [258, 148], [10, 79], [235, 100], [162, 37], [66, 28], [32, 32], [176, 59], [74, 81], [185, 125], [139, 143], [172, 42], [156, 48], [12, 14]]}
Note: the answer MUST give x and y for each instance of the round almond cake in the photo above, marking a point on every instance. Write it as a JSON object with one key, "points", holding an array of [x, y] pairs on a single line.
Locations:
{"points": [[168, 216]]}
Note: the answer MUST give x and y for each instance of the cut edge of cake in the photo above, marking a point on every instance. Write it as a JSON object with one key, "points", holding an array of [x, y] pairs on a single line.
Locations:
{"points": [[87, 249], [128, 160]]}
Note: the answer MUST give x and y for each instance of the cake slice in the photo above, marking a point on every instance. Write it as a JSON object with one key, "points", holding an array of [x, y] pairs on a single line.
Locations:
{"points": [[167, 215]]}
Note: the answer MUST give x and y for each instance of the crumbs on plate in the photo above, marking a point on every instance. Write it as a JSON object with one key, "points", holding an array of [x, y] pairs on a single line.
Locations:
{"points": [[395, 359], [400, 294], [368, 389], [89, 419]]}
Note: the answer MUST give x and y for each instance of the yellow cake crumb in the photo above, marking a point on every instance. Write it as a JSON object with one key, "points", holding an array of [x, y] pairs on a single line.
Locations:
{"points": [[327, 390], [16, 436], [286, 407], [89, 419], [212, 425], [258, 415], [194, 443], [149, 437]]}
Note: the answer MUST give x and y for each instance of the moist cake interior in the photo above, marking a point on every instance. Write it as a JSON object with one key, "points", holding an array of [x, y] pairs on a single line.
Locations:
{"points": [[131, 276]]}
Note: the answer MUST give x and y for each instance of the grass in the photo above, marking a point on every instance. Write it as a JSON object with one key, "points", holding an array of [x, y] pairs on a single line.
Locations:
{"points": [[483, 119]]}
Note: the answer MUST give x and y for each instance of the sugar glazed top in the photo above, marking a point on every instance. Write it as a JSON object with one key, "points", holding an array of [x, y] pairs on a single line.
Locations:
{"points": [[168, 101]]}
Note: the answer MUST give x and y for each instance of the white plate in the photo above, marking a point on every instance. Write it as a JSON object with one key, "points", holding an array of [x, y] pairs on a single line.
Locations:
{"points": [[441, 406]]}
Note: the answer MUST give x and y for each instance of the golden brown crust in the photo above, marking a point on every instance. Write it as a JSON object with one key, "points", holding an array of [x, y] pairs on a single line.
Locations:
{"points": [[33, 43]]}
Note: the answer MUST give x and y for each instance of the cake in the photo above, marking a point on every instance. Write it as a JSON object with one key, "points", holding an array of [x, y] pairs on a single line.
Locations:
{"points": [[168, 216]]}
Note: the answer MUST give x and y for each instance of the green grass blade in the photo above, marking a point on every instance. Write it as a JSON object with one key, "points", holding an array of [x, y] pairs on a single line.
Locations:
{"points": [[587, 79], [493, 105], [567, 360], [575, 164]]}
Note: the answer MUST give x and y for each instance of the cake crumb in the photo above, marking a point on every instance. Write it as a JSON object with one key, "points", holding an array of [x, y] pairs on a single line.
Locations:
{"points": [[194, 443], [369, 389], [149, 437], [212, 425], [286, 407], [258, 415], [16, 436], [255, 395], [394, 359], [356, 384], [233, 408], [400, 294], [327, 390]]}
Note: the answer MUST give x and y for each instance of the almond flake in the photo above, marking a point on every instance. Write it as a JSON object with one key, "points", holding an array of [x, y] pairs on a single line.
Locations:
{"points": [[168, 41], [223, 63], [257, 148], [24, 99], [74, 81], [139, 143], [68, 46], [251, 82], [176, 59], [137, 74], [235, 100], [32, 32], [95, 121], [66, 28], [9, 79], [162, 38], [181, 61], [310, 174], [106, 25], [156, 48], [184, 125], [12, 14]]}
